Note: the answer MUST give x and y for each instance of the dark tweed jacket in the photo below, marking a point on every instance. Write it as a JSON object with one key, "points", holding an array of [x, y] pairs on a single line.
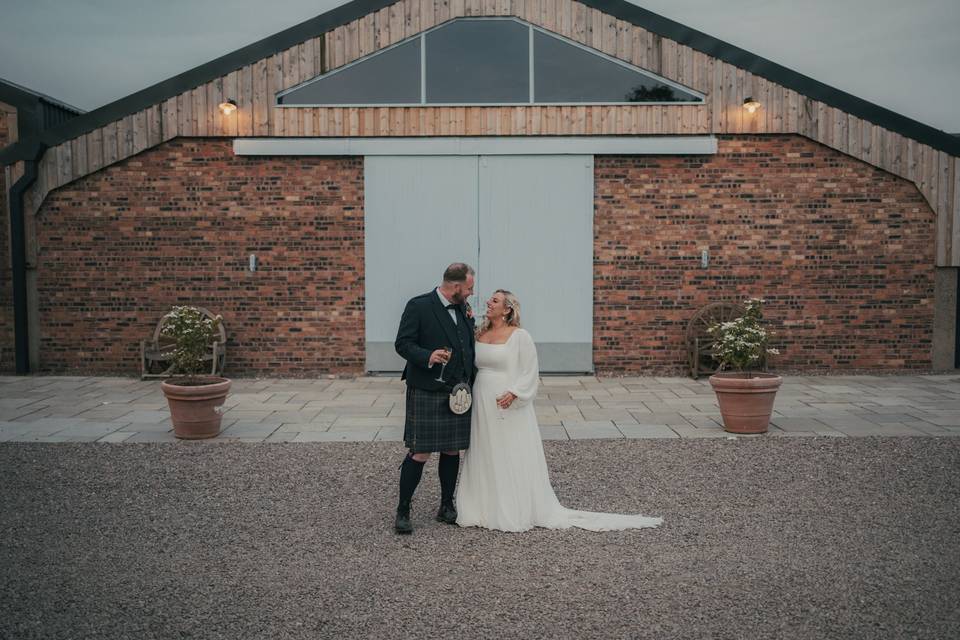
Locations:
{"points": [[425, 327]]}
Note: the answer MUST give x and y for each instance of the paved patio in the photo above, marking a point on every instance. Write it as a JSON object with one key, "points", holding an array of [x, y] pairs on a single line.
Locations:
{"points": [[102, 409]]}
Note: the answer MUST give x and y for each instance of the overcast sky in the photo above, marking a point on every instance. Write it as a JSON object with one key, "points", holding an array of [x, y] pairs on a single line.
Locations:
{"points": [[900, 55]]}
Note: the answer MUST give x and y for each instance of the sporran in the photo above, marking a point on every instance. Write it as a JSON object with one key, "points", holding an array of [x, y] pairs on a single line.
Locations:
{"points": [[461, 398]]}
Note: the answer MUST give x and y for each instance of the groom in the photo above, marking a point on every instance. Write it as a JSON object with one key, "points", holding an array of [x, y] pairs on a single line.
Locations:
{"points": [[430, 322]]}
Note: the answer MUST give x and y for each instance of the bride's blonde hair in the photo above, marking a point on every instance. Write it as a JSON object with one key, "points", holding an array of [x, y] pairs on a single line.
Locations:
{"points": [[512, 318]]}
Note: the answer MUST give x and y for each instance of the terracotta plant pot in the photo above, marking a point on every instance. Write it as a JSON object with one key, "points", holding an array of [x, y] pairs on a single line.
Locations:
{"points": [[195, 405], [746, 400]]}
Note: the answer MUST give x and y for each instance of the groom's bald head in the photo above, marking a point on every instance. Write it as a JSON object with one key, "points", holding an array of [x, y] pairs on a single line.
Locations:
{"points": [[457, 273], [458, 282]]}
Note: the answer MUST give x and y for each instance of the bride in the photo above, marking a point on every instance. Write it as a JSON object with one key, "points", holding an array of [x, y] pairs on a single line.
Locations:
{"points": [[504, 482]]}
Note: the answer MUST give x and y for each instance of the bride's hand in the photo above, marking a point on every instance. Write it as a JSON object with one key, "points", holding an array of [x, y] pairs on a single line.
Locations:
{"points": [[506, 400]]}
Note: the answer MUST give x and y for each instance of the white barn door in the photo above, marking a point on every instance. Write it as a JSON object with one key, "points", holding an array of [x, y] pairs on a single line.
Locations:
{"points": [[524, 222], [536, 240], [420, 214]]}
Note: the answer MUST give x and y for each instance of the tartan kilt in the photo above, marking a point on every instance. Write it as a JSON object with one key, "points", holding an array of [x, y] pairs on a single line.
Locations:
{"points": [[431, 426]]}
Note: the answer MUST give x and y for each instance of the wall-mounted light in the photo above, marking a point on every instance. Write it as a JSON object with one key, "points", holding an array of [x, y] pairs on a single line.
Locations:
{"points": [[751, 105], [228, 107]]}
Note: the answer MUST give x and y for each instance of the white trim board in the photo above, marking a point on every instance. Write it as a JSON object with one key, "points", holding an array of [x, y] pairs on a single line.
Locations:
{"points": [[478, 146]]}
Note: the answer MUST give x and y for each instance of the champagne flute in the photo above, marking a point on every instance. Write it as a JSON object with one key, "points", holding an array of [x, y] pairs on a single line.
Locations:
{"points": [[449, 352], [499, 408]]}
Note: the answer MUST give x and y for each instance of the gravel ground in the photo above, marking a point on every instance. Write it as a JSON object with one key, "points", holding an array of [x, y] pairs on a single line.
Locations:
{"points": [[763, 538]]}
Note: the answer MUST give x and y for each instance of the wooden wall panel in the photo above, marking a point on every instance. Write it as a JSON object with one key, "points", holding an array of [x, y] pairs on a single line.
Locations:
{"points": [[840, 141], [228, 87], [290, 77], [95, 150], [351, 39], [138, 133], [933, 193], [77, 158], [64, 159], [381, 27], [244, 98], [944, 203], [48, 171], [337, 53], [396, 11], [125, 137], [274, 86], [261, 98], [954, 258], [110, 154], [198, 110], [169, 124], [853, 135], [184, 122], [929, 176], [366, 44]]}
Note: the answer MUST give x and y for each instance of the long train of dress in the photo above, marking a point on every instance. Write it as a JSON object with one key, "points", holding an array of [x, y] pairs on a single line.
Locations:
{"points": [[504, 480]]}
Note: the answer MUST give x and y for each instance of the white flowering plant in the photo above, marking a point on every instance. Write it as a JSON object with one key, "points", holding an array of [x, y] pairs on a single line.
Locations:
{"points": [[742, 343], [193, 332]]}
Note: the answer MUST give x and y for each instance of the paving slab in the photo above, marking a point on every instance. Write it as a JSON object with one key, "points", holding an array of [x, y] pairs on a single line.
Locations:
{"points": [[344, 422], [553, 432], [33, 428], [281, 437], [338, 436], [152, 436], [247, 430], [943, 420], [803, 424], [389, 434], [582, 430], [95, 429], [881, 430], [647, 431], [116, 436], [297, 427], [695, 433]]}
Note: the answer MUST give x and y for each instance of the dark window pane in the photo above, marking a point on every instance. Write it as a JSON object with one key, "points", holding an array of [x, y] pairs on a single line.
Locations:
{"points": [[566, 73], [478, 62], [391, 77]]}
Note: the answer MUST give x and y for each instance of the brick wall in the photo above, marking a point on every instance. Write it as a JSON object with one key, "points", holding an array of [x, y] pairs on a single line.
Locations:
{"points": [[175, 225], [7, 364], [842, 251]]}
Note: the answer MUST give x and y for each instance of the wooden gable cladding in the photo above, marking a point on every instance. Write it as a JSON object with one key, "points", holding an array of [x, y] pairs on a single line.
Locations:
{"points": [[254, 86]]}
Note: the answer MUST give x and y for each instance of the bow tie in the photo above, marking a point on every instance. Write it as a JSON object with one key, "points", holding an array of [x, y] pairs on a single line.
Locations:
{"points": [[452, 306]]}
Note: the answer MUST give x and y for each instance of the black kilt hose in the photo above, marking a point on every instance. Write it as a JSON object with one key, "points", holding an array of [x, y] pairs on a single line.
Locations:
{"points": [[426, 326]]}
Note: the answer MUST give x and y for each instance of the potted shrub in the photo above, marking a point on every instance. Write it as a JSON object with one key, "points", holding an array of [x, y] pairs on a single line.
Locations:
{"points": [[745, 395], [195, 400]]}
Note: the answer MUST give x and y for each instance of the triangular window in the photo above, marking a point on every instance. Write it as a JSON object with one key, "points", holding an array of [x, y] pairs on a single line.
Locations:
{"points": [[387, 77], [486, 61]]}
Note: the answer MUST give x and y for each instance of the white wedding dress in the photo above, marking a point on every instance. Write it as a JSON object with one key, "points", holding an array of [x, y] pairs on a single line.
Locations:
{"points": [[504, 481]]}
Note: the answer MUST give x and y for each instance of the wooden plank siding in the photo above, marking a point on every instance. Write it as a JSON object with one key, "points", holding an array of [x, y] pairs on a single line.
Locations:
{"points": [[254, 86], [954, 256]]}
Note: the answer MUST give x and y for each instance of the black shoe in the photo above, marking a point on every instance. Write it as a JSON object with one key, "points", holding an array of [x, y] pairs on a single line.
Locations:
{"points": [[447, 513], [402, 524]]}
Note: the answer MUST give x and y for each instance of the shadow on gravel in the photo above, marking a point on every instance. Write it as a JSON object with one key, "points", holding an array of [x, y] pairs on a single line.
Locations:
{"points": [[806, 538]]}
